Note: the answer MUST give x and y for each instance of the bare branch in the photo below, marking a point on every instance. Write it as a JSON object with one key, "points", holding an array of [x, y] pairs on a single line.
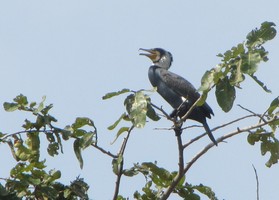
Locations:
{"points": [[104, 151], [181, 156], [180, 173], [224, 137], [257, 180], [182, 119], [216, 128], [255, 114], [163, 111], [25, 131], [179, 176]]}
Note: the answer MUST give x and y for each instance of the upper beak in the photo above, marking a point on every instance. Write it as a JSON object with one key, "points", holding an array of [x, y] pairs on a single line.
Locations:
{"points": [[150, 53]]}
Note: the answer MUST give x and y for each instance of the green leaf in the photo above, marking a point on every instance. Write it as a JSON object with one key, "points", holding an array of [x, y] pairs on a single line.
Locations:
{"points": [[79, 132], [273, 106], [2, 134], [22, 153], [206, 191], [111, 127], [236, 75], [82, 121], [130, 172], [10, 107], [136, 106], [79, 188], [87, 140], [252, 138], [113, 94], [33, 141], [120, 131], [259, 36], [202, 99], [116, 162], [56, 174], [207, 81], [53, 148], [115, 166], [160, 176], [225, 94], [77, 150], [21, 100], [41, 106], [66, 132], [46, 109], [261, 84], [151, 114], [250, 62]]}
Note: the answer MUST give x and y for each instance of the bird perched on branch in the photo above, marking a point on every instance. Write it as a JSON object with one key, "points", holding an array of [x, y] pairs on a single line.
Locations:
{"points": [[176, 90]]}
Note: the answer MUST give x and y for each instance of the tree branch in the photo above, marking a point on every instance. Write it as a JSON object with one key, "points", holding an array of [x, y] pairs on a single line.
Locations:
{"points": [[257, 180], [104, 151], [224, 137], [216, 128], [179, 176], [182, 119], [121, 164], [180, 173], [250, 111], [163, 111], [52, 130]]}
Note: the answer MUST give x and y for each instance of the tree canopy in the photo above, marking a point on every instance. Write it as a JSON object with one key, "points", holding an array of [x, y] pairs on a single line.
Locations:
{"points": [[30, 177]]}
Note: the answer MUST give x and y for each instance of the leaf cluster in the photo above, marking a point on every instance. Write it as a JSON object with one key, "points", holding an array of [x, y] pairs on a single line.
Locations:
{"points": [[138, 109], [238, 63], [29, 177], [267, 137], [158, 179]]}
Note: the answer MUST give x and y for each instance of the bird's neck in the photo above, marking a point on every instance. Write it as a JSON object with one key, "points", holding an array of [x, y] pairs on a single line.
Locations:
{"points": [[162, 65]]}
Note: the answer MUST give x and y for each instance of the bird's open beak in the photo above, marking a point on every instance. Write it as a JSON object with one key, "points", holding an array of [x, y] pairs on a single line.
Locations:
{"points": [[150, 53]]}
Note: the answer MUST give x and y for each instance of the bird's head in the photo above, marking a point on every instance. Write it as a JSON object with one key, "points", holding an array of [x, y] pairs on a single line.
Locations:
{"points": [[159, 57]]}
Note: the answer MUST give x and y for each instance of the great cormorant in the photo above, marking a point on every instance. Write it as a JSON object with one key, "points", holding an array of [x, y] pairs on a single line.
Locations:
{"points": [[176, 90]]}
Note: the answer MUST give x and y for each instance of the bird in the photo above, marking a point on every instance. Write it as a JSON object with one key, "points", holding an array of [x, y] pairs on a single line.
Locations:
{"points": [[176, 90]]}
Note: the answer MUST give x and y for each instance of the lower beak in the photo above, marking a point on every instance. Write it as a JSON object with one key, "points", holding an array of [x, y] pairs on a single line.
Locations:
{"points": [[149, 53]]}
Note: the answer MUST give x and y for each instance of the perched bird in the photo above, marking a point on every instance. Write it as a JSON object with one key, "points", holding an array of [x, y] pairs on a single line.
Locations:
{"points": [[176, 90]]}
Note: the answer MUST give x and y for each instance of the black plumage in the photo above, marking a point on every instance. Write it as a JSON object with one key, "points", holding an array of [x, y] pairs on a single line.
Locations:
{"points": [[176, 90]]}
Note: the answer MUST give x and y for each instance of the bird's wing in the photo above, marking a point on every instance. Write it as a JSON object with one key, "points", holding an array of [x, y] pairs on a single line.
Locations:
{"points": [[180, 85], [185, 89]]}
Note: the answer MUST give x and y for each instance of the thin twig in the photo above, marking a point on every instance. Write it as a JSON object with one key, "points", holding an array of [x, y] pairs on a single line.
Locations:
{"points": [[257, 180], [192, 126], [163, 111], [250, 111], [25, 131], [224, 137], [216, 128], [104, 151], [120, 171], [52, 130], [182, 119]]}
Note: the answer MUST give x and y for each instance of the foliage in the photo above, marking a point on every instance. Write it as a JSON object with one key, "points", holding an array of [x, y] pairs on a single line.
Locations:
{"points": [[237, 63], [30, 179], [267, 138]]}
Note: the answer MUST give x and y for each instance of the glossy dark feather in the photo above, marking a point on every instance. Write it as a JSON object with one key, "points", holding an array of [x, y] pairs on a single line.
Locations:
{"points": [[172, 88]]}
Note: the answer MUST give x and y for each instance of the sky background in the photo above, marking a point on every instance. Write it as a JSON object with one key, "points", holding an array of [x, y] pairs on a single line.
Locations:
{"points": [[74, 52]]}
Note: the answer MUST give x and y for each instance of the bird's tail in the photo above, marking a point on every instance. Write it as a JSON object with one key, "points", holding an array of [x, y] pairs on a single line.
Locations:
{"points": [[209, 133]]}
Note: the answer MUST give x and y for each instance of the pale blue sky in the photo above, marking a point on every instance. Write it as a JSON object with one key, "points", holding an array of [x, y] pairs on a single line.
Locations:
{"points": [[76, 51]]}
